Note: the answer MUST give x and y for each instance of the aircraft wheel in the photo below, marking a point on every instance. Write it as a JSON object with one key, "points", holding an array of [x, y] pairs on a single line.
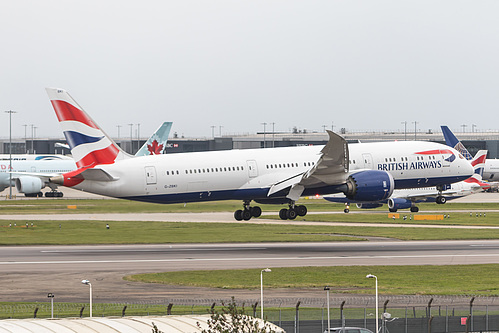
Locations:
{"points": [[256, 211], [39, 194], [283, 214], [392, 210], [414, 209], [60, 194], [292, 214], [49, 194], [246, 214], [301, 210], [346, 210], [441, 200], [238, 215]]}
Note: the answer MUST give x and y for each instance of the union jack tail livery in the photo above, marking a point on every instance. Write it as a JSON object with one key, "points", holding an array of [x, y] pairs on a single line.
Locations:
{"points": [[90, 146], [478, 162]]}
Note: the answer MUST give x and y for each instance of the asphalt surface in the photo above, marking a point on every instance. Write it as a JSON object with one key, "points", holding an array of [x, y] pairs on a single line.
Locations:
{"points": [[28, 273]]}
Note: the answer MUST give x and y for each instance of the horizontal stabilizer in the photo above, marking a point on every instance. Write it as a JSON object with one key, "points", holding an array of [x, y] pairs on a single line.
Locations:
{"points": [[98, 175]]}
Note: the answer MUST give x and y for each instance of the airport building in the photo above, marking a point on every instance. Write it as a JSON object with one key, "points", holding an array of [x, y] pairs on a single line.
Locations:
{"points": [[473, 141]]}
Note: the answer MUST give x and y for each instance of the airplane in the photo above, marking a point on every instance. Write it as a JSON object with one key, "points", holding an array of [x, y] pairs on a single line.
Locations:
{"points": [[490, 170], [30, 176], [407, 198], [31, 157], [363, 171]]}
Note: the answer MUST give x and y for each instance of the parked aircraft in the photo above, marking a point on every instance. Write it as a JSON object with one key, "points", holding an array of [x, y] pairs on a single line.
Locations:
{"points": [[272, 175], [490, 170], [34, 157], [30, 176], [407, 198]]}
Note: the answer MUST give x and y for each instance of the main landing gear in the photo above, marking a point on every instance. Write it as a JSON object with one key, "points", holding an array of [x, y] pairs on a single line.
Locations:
{"points": [[54, 194], [440, 199], [248, 212], [292, 212], [285, 214]]}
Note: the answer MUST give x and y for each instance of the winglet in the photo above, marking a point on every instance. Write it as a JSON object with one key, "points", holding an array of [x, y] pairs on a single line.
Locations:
{"points": [[90, 146]]}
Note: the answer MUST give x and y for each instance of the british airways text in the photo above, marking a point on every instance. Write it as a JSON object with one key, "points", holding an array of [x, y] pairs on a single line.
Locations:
{"points": [[409, 166]]}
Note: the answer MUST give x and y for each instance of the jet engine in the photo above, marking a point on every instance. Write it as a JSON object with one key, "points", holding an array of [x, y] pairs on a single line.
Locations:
{"points": [[369, 185], [399, 203], [368, 205], [29, 184]]}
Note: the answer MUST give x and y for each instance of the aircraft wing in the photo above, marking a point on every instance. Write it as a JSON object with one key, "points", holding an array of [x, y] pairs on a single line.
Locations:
{"points": [[330, 169]]}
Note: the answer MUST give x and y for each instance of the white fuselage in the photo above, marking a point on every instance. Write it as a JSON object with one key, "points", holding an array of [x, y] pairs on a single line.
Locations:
{"points": [[21, 167], [456, 190], [491, 170], [248, 174]]}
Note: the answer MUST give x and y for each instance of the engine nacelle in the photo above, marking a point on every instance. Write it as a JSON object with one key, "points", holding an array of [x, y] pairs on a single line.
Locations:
{"points": [[398, 203], [29, 184], [368, 205], [370, 185]]}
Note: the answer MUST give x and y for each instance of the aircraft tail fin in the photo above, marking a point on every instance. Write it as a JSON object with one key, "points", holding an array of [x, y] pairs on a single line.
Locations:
{"points": [[156, 144], [478, 162], [452, 141], [90, 146], [477, 179]]}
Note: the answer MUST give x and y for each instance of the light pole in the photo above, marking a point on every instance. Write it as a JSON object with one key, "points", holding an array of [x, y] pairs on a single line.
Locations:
{"points": [[10, 112], [25, 138], [266, 270], [138, 136], [415, 129], [405, 130], [370, 276], [273, 135], [264, 132], [32, 138], [131, 138], [90, 285], [326, 288], [51, 296]]}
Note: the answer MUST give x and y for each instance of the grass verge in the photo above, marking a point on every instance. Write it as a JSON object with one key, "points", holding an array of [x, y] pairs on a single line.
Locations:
{"points": [[393, 280], [130, 232]]}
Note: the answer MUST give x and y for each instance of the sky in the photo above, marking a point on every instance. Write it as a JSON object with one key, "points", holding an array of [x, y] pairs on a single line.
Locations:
{"points": [[360, 65]]}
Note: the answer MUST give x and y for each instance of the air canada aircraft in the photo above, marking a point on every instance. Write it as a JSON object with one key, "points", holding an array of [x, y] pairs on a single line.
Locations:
{"points": [[363, 171], [31, 175]]}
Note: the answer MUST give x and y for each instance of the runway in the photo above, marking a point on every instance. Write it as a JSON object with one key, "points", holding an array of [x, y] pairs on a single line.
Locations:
{"points": [[28, 273]]}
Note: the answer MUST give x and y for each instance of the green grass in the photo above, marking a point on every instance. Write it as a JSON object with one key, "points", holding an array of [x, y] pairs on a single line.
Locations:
{"points": [[455, 218], [59, 206], [131, 232], [393, 280]]}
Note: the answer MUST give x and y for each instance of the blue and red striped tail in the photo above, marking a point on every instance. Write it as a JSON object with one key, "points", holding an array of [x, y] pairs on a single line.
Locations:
{"points": [[90, 146]]}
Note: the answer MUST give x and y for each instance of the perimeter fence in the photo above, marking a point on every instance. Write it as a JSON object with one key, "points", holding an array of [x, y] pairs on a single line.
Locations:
{"points": [[398, 314]]}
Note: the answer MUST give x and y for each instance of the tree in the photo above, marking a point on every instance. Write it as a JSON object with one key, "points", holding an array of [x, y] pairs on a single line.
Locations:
{"points": [[232, 319]]}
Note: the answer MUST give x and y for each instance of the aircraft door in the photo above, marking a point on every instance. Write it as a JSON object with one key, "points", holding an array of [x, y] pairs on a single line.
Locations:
{"points": [[252, 168], [150, 175], [368, 161]]}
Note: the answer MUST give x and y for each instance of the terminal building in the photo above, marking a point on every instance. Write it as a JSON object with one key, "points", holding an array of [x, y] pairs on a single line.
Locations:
{"points": [[472, 141]]}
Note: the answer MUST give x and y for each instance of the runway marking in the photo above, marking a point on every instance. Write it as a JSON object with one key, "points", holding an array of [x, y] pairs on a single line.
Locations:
{"points": [[242, 259], [152, 250]]}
